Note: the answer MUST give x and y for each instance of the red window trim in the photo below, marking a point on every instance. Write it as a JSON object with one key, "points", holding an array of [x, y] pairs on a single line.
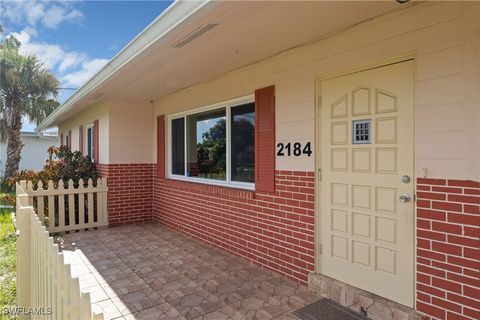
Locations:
{"points": [[69, 141]]}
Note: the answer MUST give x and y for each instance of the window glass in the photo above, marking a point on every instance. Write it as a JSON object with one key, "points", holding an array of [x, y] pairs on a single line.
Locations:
{"points": [[178, 146], [243, 143], [90, 142], [199, 145], [206, 145]]}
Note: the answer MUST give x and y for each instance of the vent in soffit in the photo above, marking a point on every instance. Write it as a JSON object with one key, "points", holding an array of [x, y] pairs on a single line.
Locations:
{"points": [[193, 35]]}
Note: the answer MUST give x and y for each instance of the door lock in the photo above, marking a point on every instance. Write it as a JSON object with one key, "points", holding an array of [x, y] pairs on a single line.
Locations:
{"points": [[405, 197], [405, 179]]}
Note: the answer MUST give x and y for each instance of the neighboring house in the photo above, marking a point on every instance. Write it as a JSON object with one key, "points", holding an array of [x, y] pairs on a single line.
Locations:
{"points": [[337, 140], [34, 151]]}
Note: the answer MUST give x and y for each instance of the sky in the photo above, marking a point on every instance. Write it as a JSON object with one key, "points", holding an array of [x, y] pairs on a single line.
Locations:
{"points": [[74, 39]]}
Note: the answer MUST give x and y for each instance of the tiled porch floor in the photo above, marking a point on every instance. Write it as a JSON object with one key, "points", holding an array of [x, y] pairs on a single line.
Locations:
{"points": [[153, 272]]}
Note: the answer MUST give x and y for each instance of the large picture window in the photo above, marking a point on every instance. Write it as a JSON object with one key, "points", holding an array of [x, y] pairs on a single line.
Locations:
{"points": [[215, 145]]}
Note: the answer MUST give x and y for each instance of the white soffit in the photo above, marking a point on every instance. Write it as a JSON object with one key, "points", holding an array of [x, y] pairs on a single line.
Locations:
{"points": [[215, 38]]}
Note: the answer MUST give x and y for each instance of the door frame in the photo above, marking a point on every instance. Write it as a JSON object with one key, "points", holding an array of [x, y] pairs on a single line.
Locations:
{"points": [[318, 150]]}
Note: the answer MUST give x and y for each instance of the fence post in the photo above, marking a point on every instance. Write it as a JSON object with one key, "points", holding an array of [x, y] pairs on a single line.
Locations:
{"points": [[104, 196], [43, 278], [24, 252]]}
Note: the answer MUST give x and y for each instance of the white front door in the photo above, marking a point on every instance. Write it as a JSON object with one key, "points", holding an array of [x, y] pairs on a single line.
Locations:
{"points": [[366, 146]]}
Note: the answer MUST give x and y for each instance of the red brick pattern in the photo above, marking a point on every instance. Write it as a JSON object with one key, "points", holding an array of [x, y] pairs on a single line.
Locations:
{"points": [[130, 192], [448, 248], [275, 230], [102, 170]]}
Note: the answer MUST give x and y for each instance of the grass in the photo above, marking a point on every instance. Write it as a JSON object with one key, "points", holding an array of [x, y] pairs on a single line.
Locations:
{"points": [[7, 262]]}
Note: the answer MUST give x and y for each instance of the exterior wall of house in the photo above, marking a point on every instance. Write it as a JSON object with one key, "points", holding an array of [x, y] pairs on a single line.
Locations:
{"points": [[277, 230], [130, 192], [130, 170], [447, 78], [274, 230], [447, 119], [98, 111], [448, 248], [125, 138], [130, 132], [126, 134], [34, 152]]}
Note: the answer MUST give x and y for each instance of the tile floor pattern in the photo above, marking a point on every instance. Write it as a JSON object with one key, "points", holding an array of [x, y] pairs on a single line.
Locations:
{"points": [[153, 272]]}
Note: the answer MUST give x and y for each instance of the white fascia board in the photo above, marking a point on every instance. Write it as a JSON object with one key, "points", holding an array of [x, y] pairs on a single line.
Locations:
{"points": [[174, 15], [38, 135], [28, 134]]}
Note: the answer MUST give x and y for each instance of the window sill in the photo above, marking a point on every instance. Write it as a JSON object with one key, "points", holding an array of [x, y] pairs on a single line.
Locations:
{"points": [[234, 185], [203, 185]]}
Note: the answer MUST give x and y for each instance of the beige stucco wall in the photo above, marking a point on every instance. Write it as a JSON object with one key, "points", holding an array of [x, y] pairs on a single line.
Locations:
{"points": [[131, 132], [443, 37], [86, 117], [126, 130]]}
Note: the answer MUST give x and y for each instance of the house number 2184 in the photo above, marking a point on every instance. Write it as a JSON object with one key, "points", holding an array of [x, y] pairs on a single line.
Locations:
{"points": [[296, 149]]}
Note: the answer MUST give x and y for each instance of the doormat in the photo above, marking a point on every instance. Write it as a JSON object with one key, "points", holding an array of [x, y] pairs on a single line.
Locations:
{"points": [[327, 309]]}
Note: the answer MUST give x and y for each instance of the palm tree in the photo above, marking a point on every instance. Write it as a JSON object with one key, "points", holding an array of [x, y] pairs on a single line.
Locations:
{"points": [[28, 90]]}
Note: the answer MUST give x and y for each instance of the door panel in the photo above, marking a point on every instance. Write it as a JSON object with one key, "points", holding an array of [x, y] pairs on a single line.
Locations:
{"points": [[366, 143]]}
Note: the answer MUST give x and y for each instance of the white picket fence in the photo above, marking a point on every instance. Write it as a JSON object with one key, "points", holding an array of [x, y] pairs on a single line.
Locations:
{"points": [[72, 208], [45, 287]]}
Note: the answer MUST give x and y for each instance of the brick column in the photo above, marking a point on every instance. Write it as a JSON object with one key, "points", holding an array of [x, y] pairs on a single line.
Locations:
{"points": [[130, 192]]}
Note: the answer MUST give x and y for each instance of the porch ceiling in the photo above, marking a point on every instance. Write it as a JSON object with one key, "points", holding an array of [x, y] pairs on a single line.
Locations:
{"points": [[246, 32]]}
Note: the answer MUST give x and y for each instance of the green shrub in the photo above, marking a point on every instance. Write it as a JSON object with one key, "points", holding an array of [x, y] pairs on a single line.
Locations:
{"points": [[7, 199], [75, 166], [70, 165]]}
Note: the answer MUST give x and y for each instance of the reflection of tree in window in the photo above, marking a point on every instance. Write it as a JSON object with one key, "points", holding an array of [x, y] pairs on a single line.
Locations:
{"points": [[243, 143], [178, 146], [207, 145], [90, 142]]}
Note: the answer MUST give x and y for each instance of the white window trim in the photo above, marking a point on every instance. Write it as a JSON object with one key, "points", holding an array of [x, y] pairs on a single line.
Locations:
{"points": [[228, 182], [85, 144]]}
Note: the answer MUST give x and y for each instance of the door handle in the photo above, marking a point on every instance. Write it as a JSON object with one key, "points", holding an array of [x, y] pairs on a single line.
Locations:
{"points": [[405, 197]]}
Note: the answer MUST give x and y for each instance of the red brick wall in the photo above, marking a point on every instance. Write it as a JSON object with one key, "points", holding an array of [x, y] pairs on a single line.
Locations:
{"points": [[275, 230], [130, 192], [448, 248], [102, 170]]}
